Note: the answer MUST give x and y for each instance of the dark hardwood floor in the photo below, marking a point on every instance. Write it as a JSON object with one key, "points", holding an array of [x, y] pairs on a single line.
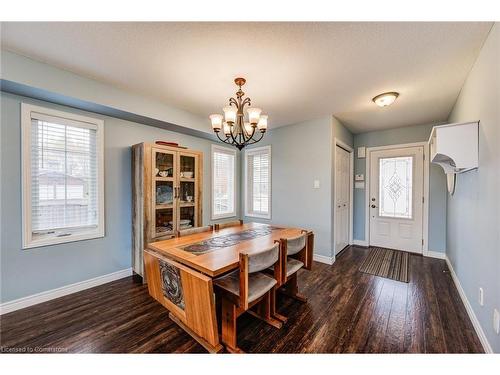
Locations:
{"points": [[347, 312]]}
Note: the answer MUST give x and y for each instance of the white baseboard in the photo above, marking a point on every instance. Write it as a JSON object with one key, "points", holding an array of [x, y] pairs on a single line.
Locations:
{"points": [[470, 311], [323, 259], [434, 254], [360, 243], [48, 295]]}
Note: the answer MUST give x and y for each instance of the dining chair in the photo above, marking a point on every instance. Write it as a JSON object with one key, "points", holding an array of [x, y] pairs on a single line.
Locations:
{"points": [[247, 289], [186, 232], [295, 254], [228, 224]]}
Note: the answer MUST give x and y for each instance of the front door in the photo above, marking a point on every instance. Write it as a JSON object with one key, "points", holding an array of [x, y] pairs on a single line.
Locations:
{"points": [[396, 198]]}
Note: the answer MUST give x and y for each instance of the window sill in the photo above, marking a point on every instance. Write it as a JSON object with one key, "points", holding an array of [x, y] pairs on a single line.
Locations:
{"points": [[223, 216], [259, 216], [49, 241]]}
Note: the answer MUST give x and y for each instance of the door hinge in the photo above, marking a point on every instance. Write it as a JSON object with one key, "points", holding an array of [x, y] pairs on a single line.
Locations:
{"points": [[423, 199], [422, 242]]}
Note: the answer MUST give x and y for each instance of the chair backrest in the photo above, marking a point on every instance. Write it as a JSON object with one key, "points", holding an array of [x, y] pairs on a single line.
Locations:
{"points": [[185, 232], [263, 259], [295, 244], [228, 224], [255, 262]]}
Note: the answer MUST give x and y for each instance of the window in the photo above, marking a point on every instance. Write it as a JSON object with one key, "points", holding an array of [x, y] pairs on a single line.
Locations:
{"points": [[223, 182], [63, 184], [258, 182], [396, 187]]}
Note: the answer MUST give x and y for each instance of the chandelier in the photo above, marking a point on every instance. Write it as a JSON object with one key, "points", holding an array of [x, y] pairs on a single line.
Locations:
{"points": [[236, 130]]}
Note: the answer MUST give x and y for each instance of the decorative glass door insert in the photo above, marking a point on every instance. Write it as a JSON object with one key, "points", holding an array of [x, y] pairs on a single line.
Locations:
{"points": [[163, 193], [396, 187], [187, 193]]}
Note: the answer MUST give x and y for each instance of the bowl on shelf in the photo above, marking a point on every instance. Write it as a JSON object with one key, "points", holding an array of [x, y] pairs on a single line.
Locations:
{"points": [[187, 174], [181, 222]]}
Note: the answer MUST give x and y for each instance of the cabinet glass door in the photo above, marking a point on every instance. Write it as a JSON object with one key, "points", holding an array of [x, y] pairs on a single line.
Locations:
{"points": [[188, 191], [163, 193]]}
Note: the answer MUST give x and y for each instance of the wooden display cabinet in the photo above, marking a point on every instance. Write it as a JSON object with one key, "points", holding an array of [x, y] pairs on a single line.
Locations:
{"points": [[167, 195]]}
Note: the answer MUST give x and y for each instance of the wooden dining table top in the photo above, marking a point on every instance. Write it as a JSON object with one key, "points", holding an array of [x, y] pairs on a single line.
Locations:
{"points": [[218, 260]]}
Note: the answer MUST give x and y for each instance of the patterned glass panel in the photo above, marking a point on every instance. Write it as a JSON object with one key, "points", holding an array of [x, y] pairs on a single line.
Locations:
{"points": [[396, 187]]}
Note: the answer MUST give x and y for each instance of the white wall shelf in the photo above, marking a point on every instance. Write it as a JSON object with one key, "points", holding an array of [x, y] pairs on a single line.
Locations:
{"points": [[455, 147]]}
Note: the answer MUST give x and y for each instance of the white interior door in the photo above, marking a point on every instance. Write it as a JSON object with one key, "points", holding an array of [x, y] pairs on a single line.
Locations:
{"points": [[343, 196], [396, 198]]}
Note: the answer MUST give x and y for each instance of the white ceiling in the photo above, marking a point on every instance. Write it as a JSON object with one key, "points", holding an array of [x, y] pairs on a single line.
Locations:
{"points": [[294, 71]]}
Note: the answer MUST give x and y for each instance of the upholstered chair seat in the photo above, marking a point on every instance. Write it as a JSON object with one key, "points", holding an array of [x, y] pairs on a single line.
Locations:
{"points": [[258, 284], [292, 266]]}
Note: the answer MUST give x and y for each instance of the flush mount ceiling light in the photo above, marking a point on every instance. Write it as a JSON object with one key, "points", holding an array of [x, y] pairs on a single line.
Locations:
{"points": [[238, 131], [385, 99]]}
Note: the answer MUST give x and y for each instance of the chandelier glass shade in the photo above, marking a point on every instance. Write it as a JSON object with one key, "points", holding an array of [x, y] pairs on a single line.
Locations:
{"points": [[233, 128]]}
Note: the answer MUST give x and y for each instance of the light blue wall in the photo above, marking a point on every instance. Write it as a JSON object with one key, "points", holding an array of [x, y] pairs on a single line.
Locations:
{"points": [[25, 272], [437, 181], [474, 210], [301, 153], [32, 73], [341, 132]]}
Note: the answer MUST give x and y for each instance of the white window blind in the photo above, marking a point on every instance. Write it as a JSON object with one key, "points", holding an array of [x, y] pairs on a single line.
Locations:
{"points": [[258, 182], [62, 167], [223, 182]]}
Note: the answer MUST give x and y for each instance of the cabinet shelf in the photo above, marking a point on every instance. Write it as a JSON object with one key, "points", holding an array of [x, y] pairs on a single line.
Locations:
{"points": [[187, 204], [185, 179], [164, 206], [164, 179]]}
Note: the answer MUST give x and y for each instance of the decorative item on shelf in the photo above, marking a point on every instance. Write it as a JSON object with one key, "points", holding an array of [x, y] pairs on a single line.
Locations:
{"points": [[170, 144], [237, 131], [189, 198], [187, 174], [183, 224], [166, 173], [164, 194]]}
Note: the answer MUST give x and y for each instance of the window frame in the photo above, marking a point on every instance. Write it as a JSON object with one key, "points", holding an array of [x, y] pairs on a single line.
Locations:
{"points": [[250, 212], [76, 235], [229, 151]]}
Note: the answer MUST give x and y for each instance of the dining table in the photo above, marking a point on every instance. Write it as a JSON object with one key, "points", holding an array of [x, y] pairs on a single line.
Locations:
{"points": [[180, 271]]}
